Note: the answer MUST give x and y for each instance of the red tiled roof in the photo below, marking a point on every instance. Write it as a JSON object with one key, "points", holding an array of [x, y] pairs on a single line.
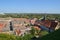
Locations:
{"points": [[48, 23], [37, 28], [2, 25], [21, 19], [16, 25]]}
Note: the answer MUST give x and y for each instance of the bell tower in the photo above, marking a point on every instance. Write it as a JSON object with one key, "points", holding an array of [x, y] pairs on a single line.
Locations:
{"points": [[11, 27]]}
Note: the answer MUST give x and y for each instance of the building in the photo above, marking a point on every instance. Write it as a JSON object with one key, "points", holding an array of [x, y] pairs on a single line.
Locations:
{"points": [[48, 25], [4, 25], [20, 24]]}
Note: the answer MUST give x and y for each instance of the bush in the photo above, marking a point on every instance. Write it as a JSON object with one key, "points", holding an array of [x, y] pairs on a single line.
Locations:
{"points": [[43, 33]]}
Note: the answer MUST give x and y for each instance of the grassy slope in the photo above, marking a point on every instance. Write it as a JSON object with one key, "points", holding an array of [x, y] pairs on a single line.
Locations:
{"points": [[7, 37], [52, 36], [12, 37]]}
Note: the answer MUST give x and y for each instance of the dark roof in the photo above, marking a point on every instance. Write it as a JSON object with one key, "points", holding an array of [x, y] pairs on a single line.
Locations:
{"points": [[47, 23]]}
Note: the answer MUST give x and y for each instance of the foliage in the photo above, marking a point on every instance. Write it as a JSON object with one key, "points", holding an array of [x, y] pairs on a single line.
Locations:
{"points": [[43, 33], [52, 36], [27, 37], [25, 15], [32, 31], [45, 36], [7, 37]]}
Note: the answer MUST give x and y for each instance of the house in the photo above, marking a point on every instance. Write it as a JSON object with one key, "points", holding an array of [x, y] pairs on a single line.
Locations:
{"points": [[58, 26], [21, 24], [4, 25], [48, 25], [32, 21]]}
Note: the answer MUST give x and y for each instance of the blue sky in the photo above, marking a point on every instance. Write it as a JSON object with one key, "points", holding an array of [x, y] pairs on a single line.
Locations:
{"points": [[29, 6]]}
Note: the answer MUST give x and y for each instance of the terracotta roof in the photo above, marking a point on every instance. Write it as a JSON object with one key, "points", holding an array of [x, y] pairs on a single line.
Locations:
{"points": [[2, 25], [36, 27], [47, 23], [21, 19]]}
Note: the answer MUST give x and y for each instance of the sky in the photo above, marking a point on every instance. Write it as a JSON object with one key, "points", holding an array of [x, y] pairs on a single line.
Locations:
{"points": [[29, 6]]}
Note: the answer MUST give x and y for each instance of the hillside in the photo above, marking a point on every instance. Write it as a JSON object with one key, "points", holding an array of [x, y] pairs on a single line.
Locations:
{"points": [[52, 36], [7, 37]]}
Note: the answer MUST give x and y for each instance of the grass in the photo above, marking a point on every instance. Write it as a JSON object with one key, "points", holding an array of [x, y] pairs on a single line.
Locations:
{"points": [[7, 37], [12, 37], [52, 36]]}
